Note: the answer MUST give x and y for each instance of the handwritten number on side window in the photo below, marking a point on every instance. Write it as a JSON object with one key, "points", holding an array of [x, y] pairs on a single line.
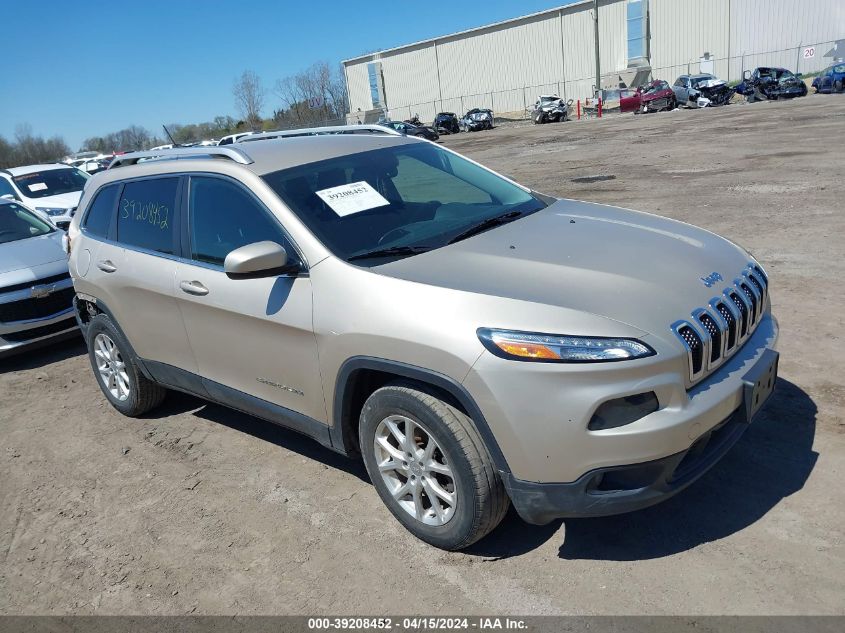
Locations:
{"points": [[153, 213]]}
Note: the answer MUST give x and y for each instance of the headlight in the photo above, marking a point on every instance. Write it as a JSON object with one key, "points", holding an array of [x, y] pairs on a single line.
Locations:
{"points": [[529, 346], [51, 211]]}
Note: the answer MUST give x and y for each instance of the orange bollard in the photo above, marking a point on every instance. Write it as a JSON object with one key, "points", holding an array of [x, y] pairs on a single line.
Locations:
{"points": [[599, 107], [579, 109]]}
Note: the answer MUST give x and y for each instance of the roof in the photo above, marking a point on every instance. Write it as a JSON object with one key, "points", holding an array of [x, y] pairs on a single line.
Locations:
{"points": [[581, 4], [268, 155], [31, 169]]}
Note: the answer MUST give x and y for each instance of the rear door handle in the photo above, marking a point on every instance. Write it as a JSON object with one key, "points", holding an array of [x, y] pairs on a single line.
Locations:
{"points": [[193, 288], [106, 266]]}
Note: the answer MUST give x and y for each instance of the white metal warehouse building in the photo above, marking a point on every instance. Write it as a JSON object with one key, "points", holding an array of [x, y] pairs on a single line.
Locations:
{"points": [[504, 66]]}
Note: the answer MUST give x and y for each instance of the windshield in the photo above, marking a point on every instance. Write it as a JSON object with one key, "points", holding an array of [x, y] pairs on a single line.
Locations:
{"points": [[17, 223], [656, 86], [51, 182], [401, 196], [696, 81]]}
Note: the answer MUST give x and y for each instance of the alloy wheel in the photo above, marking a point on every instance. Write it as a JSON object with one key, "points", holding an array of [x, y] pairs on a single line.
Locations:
{"points": [[111, 367], [415, 470]]}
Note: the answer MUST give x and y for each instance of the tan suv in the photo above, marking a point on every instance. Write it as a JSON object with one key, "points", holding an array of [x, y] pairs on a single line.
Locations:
{"points": [[476, 342]]}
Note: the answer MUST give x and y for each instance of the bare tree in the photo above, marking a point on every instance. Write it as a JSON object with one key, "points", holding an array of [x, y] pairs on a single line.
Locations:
{"points": [[249, 98], [314, 95]]}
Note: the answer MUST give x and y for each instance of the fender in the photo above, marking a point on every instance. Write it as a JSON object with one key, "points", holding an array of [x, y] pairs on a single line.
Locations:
{"points": [[341, 441]]}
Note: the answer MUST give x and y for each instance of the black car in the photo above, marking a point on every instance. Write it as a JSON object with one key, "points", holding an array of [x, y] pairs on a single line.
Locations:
{"points": [[771, 83], [412, 130], [446, 123]]}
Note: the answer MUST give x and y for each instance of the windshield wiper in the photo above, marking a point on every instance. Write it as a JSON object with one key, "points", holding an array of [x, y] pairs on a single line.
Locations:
{"points": [[391, 251], [482, 226]]}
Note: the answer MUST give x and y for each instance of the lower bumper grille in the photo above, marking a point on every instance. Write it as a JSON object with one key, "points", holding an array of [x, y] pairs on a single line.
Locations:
{"points": [[37, 308], [38, 332]]}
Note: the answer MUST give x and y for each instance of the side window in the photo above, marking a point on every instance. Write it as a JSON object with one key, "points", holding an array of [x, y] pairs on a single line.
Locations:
{"points": [[99, 215], [223, 217], [146, 213], [6, 189]]}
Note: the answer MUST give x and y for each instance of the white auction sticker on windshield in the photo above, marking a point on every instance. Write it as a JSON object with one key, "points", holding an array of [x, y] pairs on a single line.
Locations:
{"points": [[37, 186], [352, 198]]}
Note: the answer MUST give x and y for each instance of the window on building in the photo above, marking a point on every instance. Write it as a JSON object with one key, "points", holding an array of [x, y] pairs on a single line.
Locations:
{"points": [[375, 81], [637, 12]]}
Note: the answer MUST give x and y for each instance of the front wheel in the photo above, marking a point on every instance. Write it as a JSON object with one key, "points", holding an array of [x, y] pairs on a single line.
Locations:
{"points": [[838, 86], [430, 467]]}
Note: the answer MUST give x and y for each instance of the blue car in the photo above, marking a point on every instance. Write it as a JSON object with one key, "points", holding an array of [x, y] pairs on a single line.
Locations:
{"points": [[772, 84], [831, 79]]}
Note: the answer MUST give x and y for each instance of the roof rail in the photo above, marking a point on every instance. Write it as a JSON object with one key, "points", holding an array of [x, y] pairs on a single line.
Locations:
{"points": [[231, 153], [317, 131]]}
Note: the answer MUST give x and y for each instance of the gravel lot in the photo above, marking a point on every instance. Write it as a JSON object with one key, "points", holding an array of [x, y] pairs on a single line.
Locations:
{"points": [[198, 509]]}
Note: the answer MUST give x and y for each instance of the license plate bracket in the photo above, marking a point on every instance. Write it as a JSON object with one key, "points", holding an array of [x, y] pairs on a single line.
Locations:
{"points": [[759, 383]]}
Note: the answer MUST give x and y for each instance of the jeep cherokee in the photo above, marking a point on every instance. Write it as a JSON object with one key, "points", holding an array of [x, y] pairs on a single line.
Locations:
{"points": [[475, 342]]}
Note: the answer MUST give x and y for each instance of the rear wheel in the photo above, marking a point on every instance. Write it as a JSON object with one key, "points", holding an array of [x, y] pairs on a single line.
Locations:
{"points": [[430, 467], [117, 373], [838, 85]]}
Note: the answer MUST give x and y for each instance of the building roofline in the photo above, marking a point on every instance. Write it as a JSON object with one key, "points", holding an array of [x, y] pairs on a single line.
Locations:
{"points": [[358, 58]]}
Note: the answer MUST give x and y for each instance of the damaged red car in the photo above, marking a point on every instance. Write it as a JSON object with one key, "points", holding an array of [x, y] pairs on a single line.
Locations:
{"points": [[653, 97]]}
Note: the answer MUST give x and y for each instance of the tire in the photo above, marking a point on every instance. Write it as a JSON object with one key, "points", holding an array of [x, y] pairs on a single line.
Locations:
{"points": [[838, 86], [108, 351], [478, 498]]}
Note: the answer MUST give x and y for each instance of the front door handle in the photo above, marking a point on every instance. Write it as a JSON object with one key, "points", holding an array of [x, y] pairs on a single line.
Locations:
{"points": [[106, 266], [193, 288]]}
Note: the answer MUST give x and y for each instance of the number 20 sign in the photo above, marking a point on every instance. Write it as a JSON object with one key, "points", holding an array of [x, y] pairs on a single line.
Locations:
{"points": [[809, 52]]}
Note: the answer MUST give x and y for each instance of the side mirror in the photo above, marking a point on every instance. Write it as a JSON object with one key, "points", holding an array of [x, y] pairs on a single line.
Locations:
{"points": [[256, 260], [746, 74], [9, 196]]}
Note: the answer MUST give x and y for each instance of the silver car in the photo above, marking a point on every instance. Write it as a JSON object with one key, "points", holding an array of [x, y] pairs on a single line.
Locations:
{"points": [[36, 292], [686, 84], [477, 343]]}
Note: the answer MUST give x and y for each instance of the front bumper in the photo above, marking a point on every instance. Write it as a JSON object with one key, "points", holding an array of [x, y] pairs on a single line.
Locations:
{"points": [[28, 333], [619, 489], [555, 466]]}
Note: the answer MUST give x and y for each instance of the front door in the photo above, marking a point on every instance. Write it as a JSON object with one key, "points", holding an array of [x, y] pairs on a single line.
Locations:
{"points": [[254, 335]]}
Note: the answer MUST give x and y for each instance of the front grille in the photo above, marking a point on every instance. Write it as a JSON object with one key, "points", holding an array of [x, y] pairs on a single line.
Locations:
{"points": [[694, 345], [40, 308], [729, 318], [37, 282], [743, 313], [38, 332], [718, 330], [752, 298], [709, 324]]}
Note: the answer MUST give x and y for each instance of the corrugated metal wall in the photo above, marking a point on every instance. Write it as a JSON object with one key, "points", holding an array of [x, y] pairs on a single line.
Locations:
{"points": [[505, 66]]}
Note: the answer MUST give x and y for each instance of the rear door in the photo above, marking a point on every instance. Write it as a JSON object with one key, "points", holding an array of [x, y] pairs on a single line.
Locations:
{"points": [[253, 335], [133, 271]]}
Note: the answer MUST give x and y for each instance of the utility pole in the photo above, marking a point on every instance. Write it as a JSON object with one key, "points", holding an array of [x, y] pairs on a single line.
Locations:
{"points": [[598, 59]]}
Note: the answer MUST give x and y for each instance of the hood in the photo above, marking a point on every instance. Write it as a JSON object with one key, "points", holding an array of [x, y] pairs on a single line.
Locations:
{"points": [[32, 252], [640, 269], [61, 201]]}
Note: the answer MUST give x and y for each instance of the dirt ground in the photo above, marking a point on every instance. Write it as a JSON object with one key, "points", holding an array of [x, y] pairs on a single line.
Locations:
{"points": [[197, 509]]}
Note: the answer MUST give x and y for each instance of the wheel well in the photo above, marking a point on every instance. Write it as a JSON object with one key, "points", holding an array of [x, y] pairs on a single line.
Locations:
{"points": [[362, 383]]}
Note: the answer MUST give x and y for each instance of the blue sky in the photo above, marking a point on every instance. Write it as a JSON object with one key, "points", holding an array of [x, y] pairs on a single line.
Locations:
{"points": [[80, 69]]}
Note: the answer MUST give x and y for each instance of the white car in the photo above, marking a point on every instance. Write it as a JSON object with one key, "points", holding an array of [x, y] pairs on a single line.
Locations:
{"points": [[52, 190], [233, 138]]}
